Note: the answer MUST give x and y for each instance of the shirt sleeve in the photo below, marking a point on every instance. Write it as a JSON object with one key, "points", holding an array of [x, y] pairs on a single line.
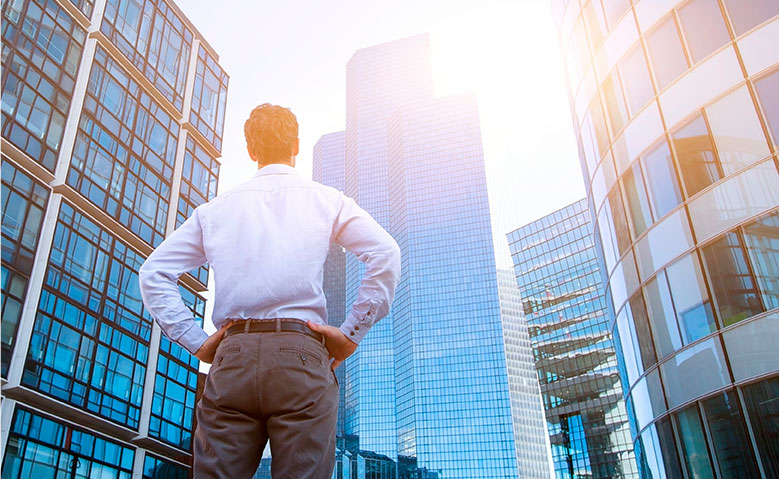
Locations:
{"points": [[180, 252], [360, 234]]}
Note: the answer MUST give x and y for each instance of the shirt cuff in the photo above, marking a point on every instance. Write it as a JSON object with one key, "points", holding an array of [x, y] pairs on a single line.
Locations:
{"points": [[354, 329], [193, 338]]}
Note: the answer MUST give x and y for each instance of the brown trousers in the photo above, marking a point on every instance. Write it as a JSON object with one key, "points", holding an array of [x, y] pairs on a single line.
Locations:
{"points": [[262, 386]]}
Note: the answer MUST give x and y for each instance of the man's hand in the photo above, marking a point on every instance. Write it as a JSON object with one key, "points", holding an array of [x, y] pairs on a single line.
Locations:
{"points": [[338, 345], [207, 351]]}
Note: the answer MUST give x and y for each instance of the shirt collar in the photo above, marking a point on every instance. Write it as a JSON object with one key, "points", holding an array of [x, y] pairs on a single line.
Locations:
{"points": [[276, 169]]}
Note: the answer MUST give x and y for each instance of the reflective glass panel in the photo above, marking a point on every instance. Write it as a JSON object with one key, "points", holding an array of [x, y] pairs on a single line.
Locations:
{"points": [[635, 77], [620, 221], [761, 401], [694, 371], [615, 9], [209, 98], [696, 454], [155, 468], [752, 347], [739, 143], [615, 103], [703, 26], [661, 180], [636, 197], [596, 23], [643, 334], [662, 316], [730, 442], [665, 50], [731, 280], [688, 290], [762, 241], [696, 155], [767, 89], [745, 15]]}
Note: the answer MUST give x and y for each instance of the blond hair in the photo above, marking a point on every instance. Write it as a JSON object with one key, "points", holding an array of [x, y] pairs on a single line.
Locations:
{"points": [[271, 133]]}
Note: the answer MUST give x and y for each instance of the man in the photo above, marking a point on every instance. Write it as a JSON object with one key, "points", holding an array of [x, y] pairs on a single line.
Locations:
{"points": [[266, 241]]}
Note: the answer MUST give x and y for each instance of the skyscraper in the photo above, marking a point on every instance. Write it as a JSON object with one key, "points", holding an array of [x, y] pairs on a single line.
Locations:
{"points": [[112, 117], [428, 388], [676, 111], [562, 296]]}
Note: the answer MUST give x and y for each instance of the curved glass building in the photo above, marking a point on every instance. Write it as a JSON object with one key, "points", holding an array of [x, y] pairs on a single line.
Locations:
{"points": [[675, 106]]}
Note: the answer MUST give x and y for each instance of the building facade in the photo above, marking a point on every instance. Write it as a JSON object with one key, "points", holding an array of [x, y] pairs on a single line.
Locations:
{"points": [[112, 117], [419, 401], [562, 295], [675, 106]]}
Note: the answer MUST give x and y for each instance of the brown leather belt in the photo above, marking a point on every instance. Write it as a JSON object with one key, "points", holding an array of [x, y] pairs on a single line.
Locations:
{"points": [[278, 325]]}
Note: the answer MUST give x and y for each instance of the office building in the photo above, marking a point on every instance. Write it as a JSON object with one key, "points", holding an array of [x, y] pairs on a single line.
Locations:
{"points": [[676, 110], [562, 296], [427, 393], [112, 117]]}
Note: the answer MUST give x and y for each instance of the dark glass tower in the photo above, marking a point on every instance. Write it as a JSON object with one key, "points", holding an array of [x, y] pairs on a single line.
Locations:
{"points": [[109, 142], [562, 297]]}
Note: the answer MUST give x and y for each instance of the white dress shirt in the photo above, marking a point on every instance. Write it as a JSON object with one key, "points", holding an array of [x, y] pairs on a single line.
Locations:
{"points": [[266, 241]]}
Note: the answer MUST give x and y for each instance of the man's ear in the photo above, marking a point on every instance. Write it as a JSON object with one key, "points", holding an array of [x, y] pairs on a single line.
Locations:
{"points": [[249, 150], [296, 150]]}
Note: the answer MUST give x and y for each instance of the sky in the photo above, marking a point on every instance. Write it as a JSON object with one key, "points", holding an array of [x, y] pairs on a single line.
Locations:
{"points": [[294, 53]]}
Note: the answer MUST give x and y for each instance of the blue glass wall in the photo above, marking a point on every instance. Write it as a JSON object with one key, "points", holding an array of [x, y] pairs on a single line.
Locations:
{"points": [[42, 49], [562, 295], [156, 468], [24, 202], [209, 98]]}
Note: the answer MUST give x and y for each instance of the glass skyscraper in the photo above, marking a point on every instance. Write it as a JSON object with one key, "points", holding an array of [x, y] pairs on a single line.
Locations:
{"points": [[562, 295], [112, 117], [676, 110], [427, 392]]}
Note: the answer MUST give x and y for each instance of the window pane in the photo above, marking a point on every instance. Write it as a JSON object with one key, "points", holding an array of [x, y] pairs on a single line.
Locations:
{"points": [[620, 221], [635, 77], [665, 50], [643, 334], [668, 446], [661, 180], [638, 205], [746, 14], [703, 27], [696, 454], [737, 132], [694, 371], [615, 9], [762, 241], [596, 23], [693, 307], [752, 347], [615, 104], [729, 438], [762, 405], [697, 159], [731, 281], [768, 92], [662, 316]]}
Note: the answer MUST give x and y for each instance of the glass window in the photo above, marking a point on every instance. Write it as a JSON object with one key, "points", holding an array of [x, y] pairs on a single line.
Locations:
{"points": [[694, 450], [615, 9], [693, 307], [762, 241], [768, 92], [666, 53], [661, 180], [730, 442], [761, 401], [635, 77], [644, 336], [636, 197], [739, 143], [599, 125], [694, 371], [745, 15], [209, 98], [615, 104], [752, 347], [628, 346], [662, 316], [596, 23], [703, 26], [731, 280], [155, 468], [697, 158], [619, 219]]}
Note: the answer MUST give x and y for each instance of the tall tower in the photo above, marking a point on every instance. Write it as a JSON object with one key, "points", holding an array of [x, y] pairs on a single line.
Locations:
{"points": [[562, 296], [675, 106], [111, 129]]}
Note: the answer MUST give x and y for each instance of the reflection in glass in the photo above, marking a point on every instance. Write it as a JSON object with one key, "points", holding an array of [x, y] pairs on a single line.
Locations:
{"points": [[662, 316], [665, 436], [762, 241], [596, 24], [739, 143], [704, 28], [635, 76], [730, 443], [661, 180], [615, 9], [696, 454], [761, 401], [696, 155], [767, 89], [643, 335], [615, 104], [693, 307], [665, 50], [745, 15], [731, 280], [636, 197], [621, 230], [694, 371]]}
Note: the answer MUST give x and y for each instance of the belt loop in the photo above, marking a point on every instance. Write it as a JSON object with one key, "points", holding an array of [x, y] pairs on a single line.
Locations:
{"points": [[246, 325], [278, 325]]}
